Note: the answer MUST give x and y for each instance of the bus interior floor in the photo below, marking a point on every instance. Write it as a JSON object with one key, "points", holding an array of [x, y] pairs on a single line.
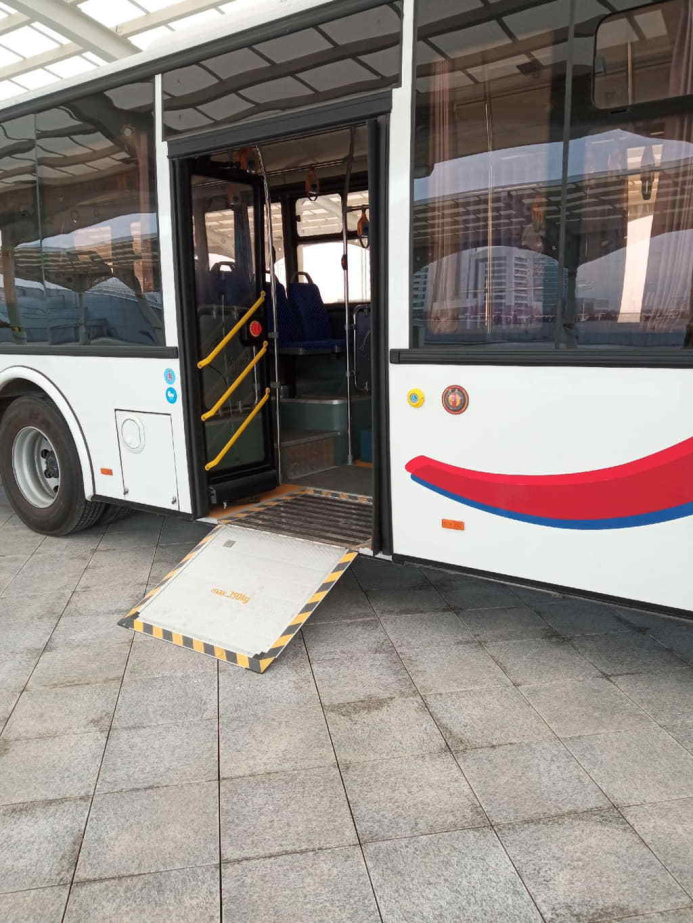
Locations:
{"points": [[431, 746], [352, 479]]}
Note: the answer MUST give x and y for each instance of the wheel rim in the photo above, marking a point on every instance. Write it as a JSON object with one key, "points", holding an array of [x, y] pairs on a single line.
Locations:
{"points": [[35, 466]]}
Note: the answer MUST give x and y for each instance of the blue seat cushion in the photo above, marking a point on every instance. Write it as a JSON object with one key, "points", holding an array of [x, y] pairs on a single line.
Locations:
{"points": [[288, 320], [311, 309]]}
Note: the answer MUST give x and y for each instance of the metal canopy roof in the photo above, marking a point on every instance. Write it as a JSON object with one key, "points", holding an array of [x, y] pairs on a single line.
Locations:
{"points": [[45, 41]]}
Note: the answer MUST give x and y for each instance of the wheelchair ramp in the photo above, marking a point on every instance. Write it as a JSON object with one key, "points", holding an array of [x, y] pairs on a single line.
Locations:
{"points": [[244, 592]]}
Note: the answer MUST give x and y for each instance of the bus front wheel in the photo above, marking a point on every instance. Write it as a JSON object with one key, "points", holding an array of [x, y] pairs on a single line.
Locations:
{"points": [[41, 471]]}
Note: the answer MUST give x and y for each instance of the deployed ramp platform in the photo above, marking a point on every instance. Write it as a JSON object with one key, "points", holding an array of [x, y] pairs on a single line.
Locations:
{"points": [[244, 592]]}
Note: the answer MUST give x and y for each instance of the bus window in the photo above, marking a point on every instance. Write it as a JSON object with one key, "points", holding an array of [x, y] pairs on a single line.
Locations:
{"points": [[629, 241], [340, 57], [489, 92], [323, 263], [278, 244], [521, 238], [629, 204], [23, 297], [99, 252], [642, 55], [319, 216]]}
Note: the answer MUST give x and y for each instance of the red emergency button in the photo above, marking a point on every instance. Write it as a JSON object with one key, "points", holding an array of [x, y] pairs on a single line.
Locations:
{"points": [[255, 329]]}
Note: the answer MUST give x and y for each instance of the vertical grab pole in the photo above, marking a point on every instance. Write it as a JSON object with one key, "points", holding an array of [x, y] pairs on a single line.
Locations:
{"points": [[275, 321], [347, 311]]}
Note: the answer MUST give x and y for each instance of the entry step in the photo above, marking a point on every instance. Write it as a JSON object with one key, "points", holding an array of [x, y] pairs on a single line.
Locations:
{"points": [[307, 451]]}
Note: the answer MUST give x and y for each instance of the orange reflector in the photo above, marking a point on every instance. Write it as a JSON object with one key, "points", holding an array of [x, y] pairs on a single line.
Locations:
{"points": [[107, 471], [454, 524]]}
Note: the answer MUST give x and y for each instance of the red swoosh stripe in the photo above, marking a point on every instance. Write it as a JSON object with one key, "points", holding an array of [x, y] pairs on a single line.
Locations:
{"points": [[658, 482]]}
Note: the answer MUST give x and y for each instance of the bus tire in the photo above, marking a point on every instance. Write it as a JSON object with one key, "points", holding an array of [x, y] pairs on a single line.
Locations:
{"points": [[41, 471], [113, 513]]}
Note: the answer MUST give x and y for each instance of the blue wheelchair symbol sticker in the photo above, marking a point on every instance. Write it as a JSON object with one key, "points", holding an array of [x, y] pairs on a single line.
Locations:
{"points": [[169, 376], [171, 395]]}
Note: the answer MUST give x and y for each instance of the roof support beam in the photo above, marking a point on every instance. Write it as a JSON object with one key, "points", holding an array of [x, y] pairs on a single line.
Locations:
{"points": [[78, 27], [166, 15], [39, 60], [13, 22]]}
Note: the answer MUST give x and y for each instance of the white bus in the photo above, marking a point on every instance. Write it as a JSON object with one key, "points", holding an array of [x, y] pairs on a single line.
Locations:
{"points": [[434, 252]]}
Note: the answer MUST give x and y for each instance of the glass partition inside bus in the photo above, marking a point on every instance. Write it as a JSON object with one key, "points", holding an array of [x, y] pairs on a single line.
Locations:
{"points": [[546, 214]]}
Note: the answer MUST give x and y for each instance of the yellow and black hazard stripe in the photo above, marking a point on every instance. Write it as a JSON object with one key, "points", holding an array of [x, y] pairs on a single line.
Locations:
{"points": [[307, 610], [257, 664]]}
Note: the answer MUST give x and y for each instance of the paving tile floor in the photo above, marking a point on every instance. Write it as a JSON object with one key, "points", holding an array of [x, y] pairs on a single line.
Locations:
{"points": [[432, 748]]}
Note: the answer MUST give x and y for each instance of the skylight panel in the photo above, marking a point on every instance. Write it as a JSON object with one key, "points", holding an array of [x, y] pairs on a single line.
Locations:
{"points": [[51, 33], [71, 67], [197, 19], [8, 57], [144, 39], [9, 89], [151, 6], [27, 41], [110, 12], [34, 80]]}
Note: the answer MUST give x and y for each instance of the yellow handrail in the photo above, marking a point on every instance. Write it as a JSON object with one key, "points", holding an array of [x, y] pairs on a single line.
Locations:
{"points": [[227, 394], [203, 363], [239, 432]]}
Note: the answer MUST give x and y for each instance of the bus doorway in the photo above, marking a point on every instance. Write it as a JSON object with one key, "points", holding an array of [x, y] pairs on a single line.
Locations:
{"points": [[283, 330]]}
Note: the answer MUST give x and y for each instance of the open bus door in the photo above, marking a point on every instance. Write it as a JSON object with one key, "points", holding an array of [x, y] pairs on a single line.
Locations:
{"points": [[226, 326], [254, 581]]}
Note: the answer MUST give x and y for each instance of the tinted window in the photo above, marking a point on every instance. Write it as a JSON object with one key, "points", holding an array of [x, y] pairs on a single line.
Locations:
{"points": [[318, 216], [487, 172], [341, 57], [643, 55], [99, 251], [23, 317], [528, 230]]}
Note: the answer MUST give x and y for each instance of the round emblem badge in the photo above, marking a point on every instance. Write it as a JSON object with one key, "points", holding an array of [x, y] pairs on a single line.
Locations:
{"points": [[416, 398], [455, 399]]}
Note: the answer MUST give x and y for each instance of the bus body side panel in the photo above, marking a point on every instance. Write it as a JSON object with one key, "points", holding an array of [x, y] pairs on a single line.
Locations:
{"points": [[548, 421], [94, 388]]}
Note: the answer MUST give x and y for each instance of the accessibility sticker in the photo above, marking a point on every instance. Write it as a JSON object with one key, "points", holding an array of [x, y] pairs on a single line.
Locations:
{"points": [[170, 377], [171, 395]]}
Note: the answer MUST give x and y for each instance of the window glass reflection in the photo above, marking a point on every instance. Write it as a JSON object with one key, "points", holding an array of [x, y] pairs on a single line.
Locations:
{"points": [[99, 253], [488, 165], [528, 231], [643, 55], [629, 237], [23, 313], [331, 60]]}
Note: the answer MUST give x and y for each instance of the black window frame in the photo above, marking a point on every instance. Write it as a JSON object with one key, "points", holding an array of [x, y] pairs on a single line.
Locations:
{"points": [[488, 354]]}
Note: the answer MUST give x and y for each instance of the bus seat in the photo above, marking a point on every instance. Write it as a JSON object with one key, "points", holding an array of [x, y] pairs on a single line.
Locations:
{"points": [[315, 321], [290, 327], [311, 308], [293, 338], [230, 286]]}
